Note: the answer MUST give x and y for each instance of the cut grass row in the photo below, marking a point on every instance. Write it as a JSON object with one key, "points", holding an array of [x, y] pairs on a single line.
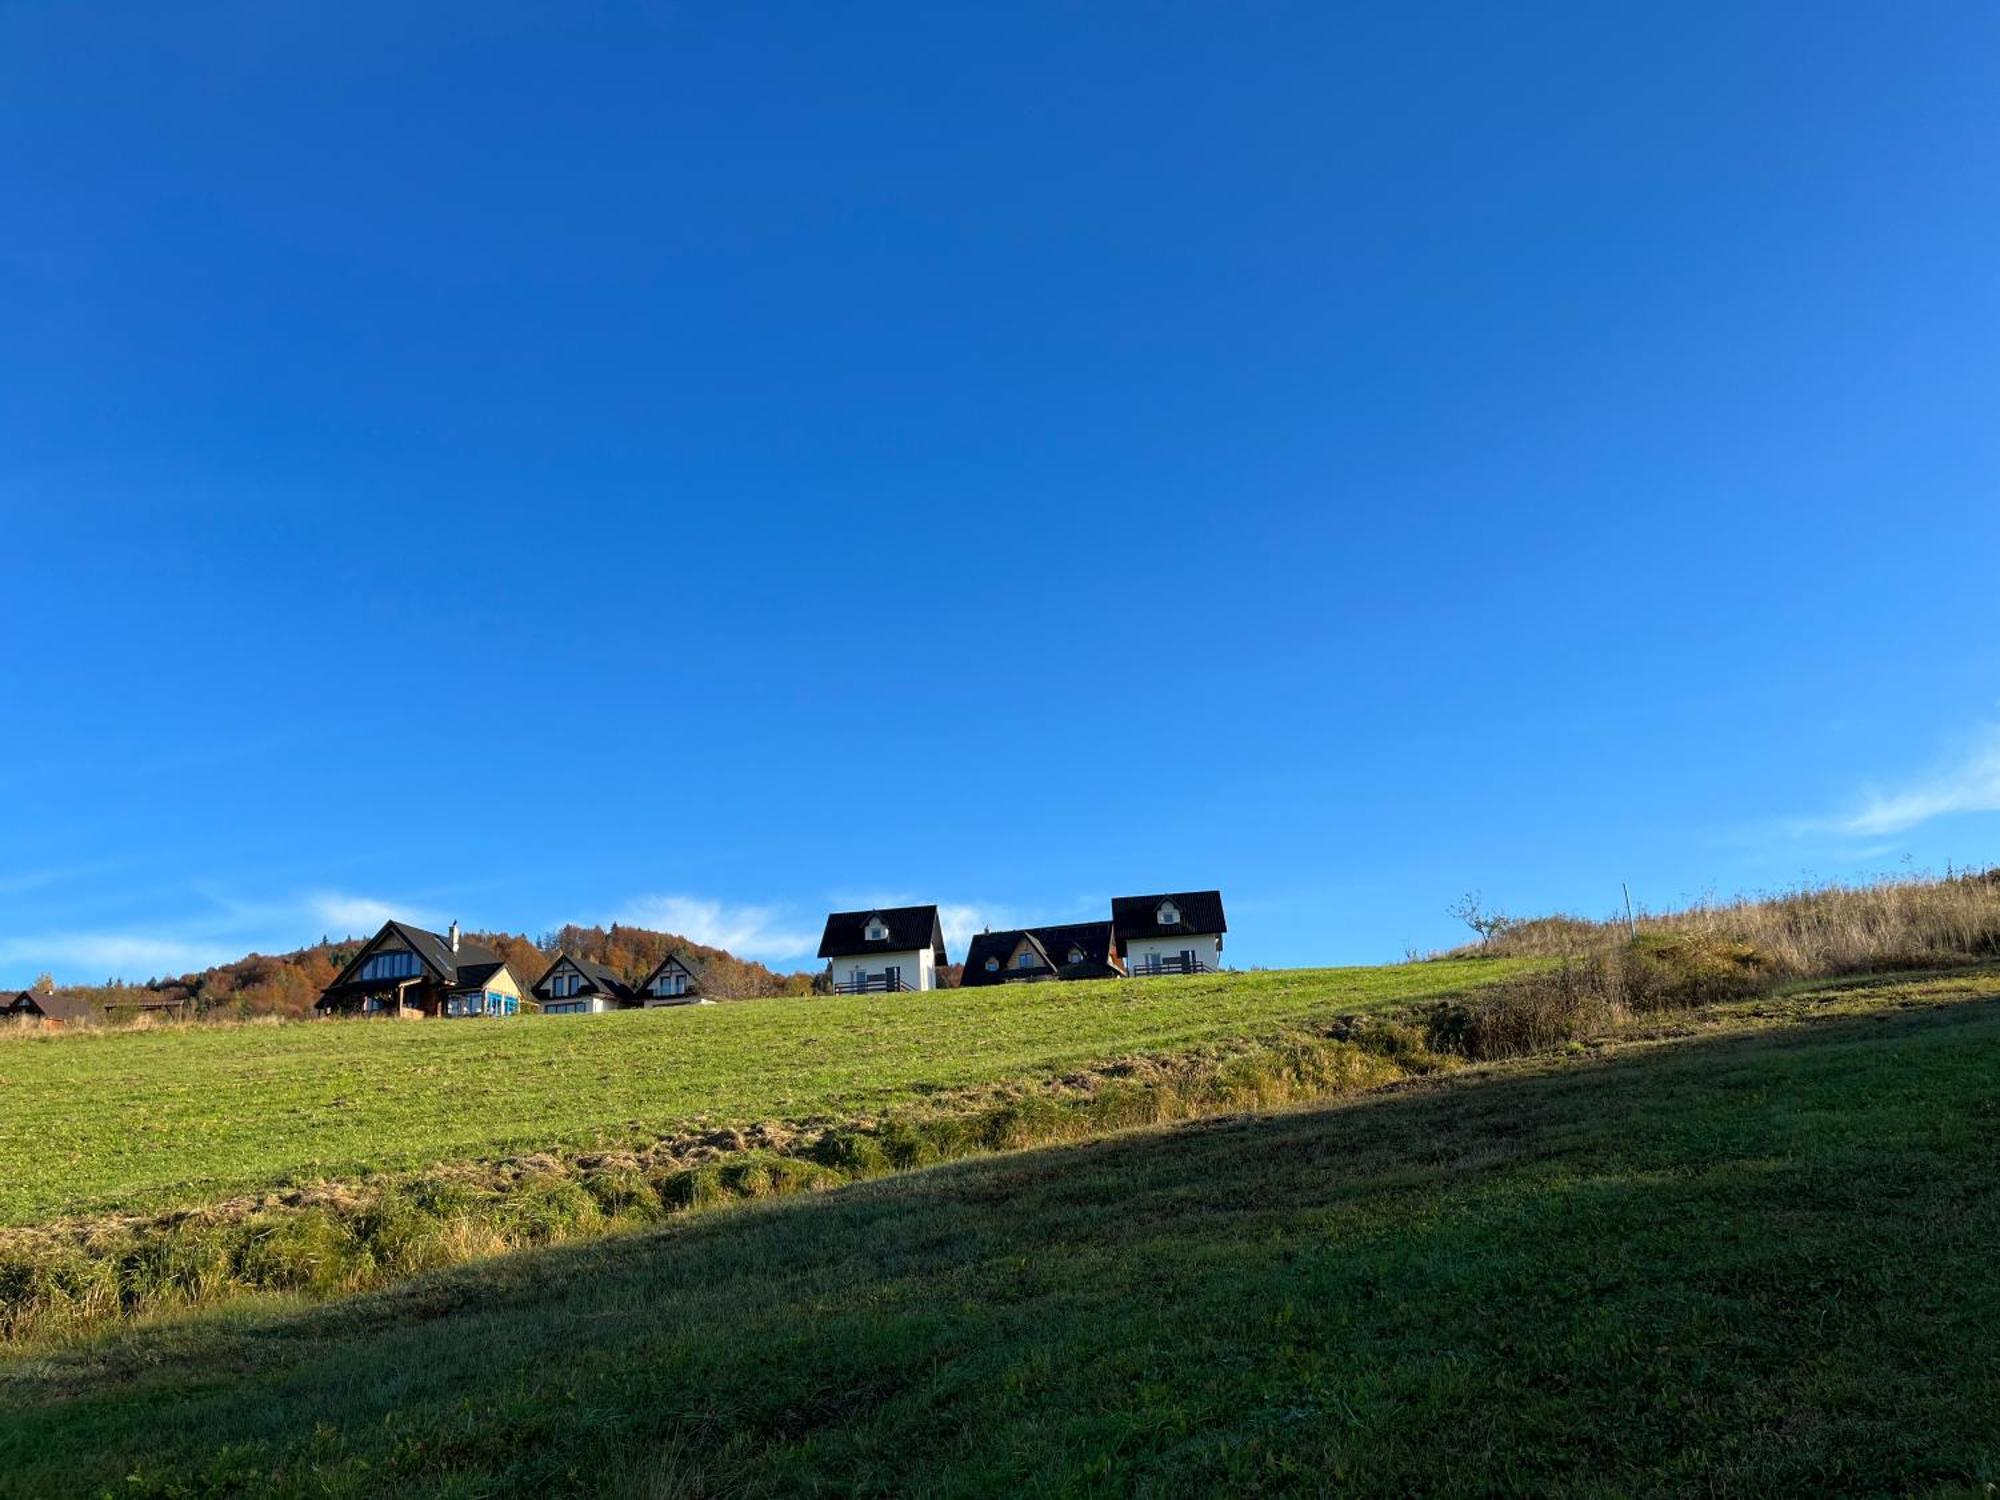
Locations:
{"points": [[141, 1121], [1761, 1260]]}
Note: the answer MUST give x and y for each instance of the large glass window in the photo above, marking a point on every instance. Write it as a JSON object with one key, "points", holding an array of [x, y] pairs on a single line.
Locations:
{"points": [[398, 964]]}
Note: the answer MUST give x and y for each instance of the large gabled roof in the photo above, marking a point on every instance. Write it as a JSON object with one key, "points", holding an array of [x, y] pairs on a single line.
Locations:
{"points": [[1093, 939], [910, 928], [1055, 943], [473, 963], [598, 979], [1138, 916]]}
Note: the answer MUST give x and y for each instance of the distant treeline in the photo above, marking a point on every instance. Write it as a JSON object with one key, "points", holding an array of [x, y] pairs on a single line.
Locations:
{"points": [[287, 984]]}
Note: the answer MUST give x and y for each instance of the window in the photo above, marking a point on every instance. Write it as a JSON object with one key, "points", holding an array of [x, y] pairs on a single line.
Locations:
{"points": [[1025, 959], [568, 1009], [565, 984], [993, 966], [1169, 914], [399, 963], [1076, 955], [878, 930], [673, 982]]}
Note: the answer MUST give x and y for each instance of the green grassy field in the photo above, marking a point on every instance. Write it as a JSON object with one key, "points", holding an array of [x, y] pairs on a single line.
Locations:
{"points": [[144, 1120], [1752, 1262]]}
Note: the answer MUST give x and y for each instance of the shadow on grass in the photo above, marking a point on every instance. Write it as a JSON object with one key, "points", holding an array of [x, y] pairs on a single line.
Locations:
{"points": [[1740, 1262]]}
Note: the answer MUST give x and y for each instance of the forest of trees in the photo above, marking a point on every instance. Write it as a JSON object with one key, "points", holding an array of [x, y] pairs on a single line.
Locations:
{"points": [[287, 984]]}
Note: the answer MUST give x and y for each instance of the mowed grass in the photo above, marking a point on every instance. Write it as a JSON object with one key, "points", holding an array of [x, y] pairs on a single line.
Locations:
{"points": [[1738, 1264], [163, 1119]]}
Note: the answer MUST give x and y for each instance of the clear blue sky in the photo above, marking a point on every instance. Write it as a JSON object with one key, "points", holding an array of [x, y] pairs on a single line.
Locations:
{"points": [[701, 463]]}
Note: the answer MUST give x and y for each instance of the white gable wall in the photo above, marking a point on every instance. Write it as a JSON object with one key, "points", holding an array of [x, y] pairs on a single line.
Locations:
{"points": [[1206, 946], [919, 967]]}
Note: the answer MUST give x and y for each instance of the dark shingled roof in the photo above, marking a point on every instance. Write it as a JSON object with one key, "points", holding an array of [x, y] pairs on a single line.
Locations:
{"points": [[1138, 916], [910, 928], [53, 1007], [597, 979], [695, 967], [1091, 939]]}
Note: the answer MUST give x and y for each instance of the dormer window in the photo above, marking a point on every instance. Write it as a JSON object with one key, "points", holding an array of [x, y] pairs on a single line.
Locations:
{"points": [[993, 966], [1169, 914], [877, 930], [1076, 955]]}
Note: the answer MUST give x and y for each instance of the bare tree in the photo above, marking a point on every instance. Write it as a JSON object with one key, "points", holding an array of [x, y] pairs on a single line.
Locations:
{"points": [[1469, 910]]}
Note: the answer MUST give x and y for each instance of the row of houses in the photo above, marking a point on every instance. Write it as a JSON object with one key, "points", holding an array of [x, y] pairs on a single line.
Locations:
{"points": [[406, 971], [902, 948], [409, 972]]}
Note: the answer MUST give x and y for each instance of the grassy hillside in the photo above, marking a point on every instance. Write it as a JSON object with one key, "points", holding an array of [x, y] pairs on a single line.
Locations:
{"points": [[149, 1119], [1763, 1259]]}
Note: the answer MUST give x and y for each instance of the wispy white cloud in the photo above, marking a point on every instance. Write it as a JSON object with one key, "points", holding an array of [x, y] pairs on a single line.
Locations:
{"points": [[1967, 783], [224, 930], [136, 954], [346, 913], [18, 882], [747, 931]]}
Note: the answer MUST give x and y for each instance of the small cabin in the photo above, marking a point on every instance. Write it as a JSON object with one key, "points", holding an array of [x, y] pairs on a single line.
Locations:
{"points": [[52, 1007]]}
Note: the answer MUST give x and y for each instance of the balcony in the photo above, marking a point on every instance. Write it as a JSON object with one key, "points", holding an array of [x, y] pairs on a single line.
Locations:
{"points": [[1156, 964], [875, 984]]}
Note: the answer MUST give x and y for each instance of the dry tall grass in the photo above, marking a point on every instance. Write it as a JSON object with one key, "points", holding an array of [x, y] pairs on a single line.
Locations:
{"points": [[1809, 933], [1714, 951]]}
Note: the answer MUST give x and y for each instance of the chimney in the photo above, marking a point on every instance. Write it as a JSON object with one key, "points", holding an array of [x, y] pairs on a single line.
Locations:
{"points": [[454, 937]]}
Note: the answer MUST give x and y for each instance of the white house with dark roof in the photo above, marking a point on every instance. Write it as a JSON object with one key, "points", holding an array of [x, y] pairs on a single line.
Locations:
{"points": [[577, 986], [1175, 932], [885, 951], [675, 980], [406, 971]]}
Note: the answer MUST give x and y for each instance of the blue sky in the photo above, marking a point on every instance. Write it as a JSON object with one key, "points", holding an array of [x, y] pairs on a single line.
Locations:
{"points": [[700, 464]]}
